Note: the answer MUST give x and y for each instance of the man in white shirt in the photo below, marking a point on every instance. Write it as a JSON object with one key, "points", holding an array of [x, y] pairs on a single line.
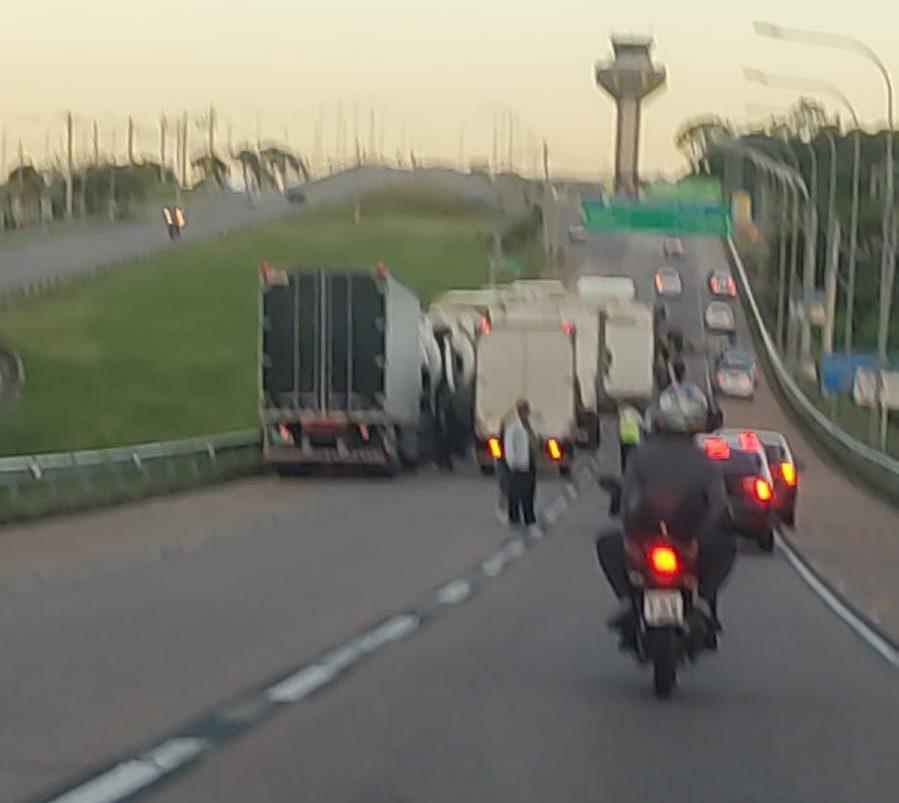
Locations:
{"points": [[520, 452]]}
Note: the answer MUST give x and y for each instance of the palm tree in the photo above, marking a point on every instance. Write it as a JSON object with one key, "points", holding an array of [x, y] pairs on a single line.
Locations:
{"points": [[24, 190], [214, 170], [254, 171], [281, 161]]}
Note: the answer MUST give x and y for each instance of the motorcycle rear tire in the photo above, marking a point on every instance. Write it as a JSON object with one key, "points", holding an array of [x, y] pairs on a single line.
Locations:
{"points": [[664, 662]]}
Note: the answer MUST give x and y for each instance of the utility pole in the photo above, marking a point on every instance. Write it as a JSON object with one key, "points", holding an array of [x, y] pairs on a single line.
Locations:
{"points": [[371, 136], [545, 162], [511, 140], [70, 158], [185, 139], [495, 158], [887, 280], [111, 211], [162, 125], [258, 132], [131, 140], [96, 142], [462, 147], [830, 286], [211, 130]]}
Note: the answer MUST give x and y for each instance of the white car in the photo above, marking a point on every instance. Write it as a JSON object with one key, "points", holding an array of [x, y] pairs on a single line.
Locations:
{"points": [[673, 247], [719, 317], [668, 283], [577, 234]]}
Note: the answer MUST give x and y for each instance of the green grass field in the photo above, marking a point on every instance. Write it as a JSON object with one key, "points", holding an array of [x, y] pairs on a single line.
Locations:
{"points": [[166, 347]]}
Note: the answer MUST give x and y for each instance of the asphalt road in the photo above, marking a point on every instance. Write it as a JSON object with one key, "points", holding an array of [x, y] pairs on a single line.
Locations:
{"points": [[517, 694], [120, 624]]}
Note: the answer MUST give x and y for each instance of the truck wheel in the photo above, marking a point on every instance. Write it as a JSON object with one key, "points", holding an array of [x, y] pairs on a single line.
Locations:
{"points": [[789, 516]]}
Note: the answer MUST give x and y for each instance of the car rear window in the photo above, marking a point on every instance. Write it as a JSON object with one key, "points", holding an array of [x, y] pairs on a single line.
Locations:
{"points": [[741, 464], [775, 454]]}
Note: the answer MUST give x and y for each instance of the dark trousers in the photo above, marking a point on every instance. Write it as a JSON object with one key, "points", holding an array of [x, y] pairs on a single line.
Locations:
{"points": [[626, 449], [522, 489], [714, 563]]}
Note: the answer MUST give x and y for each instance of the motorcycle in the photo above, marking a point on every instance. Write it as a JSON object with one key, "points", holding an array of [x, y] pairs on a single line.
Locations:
{"points": [[663, 577]]}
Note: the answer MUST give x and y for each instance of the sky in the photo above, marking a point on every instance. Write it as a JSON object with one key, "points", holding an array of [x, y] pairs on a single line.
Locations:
{"points": [[437, 75]]}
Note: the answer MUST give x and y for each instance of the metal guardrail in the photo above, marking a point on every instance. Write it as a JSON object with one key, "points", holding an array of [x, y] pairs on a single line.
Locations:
{"points": [[878, 460], [45, 483]]}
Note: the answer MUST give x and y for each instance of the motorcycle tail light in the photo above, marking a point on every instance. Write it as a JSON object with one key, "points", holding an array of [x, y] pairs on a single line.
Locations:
{"points": [[664, 561]]}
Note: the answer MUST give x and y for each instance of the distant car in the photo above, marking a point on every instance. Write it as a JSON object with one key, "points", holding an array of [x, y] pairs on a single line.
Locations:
{"points": [[719, 317], [747, 479], [785, 471], [577, 233], [721, 283], [673, 247], [736, 373], [296, 196], [668, 283]]}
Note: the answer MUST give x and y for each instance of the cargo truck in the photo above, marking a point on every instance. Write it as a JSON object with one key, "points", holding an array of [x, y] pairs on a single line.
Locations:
{"points": [[627, 350], [341, 366], [533, 360]]}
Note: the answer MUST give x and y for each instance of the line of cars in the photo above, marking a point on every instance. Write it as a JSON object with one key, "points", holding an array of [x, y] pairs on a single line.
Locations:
{"points": [[760, 471], [761, 476]]}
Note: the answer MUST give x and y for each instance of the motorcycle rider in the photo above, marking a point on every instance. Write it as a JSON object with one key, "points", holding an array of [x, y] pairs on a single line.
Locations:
{"points": [[670, 479]]}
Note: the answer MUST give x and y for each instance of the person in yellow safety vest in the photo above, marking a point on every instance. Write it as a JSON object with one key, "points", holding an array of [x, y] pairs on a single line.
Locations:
{"points": [[630, 432]]}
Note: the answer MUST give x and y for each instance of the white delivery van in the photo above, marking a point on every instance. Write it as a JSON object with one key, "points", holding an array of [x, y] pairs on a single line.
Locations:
{"points": [[531, 360], [628, 348], [581, 319], [601, 289]]}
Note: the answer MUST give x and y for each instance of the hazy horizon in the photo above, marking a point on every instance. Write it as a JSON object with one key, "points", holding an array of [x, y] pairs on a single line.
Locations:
{"points": [[433, 74]]}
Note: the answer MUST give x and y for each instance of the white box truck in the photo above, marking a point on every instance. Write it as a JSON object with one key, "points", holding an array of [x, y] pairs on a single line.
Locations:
{"points": [[533, 360], [603, 289], [627, 352], [582, 320]]}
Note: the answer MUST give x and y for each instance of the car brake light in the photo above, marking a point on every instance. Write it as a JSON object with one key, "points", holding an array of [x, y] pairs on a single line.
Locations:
{"points": [[567, 328], [749, 441], [731, 287], [495, 448], [484, 326], [554, 450], [717, 448], [758, 488], [720, 379], [788, 472], [663, 560]]}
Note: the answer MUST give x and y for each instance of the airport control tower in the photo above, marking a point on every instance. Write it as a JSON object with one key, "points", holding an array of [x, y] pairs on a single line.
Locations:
{"points": [[629, 78]]}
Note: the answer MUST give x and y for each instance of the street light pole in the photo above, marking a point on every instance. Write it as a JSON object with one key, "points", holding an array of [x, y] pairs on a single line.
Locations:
{"points": [[887, 259], [791, 82]]}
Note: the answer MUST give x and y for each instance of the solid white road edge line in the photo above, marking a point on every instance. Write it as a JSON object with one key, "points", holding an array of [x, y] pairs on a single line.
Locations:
{"points": [[858, 625]]}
